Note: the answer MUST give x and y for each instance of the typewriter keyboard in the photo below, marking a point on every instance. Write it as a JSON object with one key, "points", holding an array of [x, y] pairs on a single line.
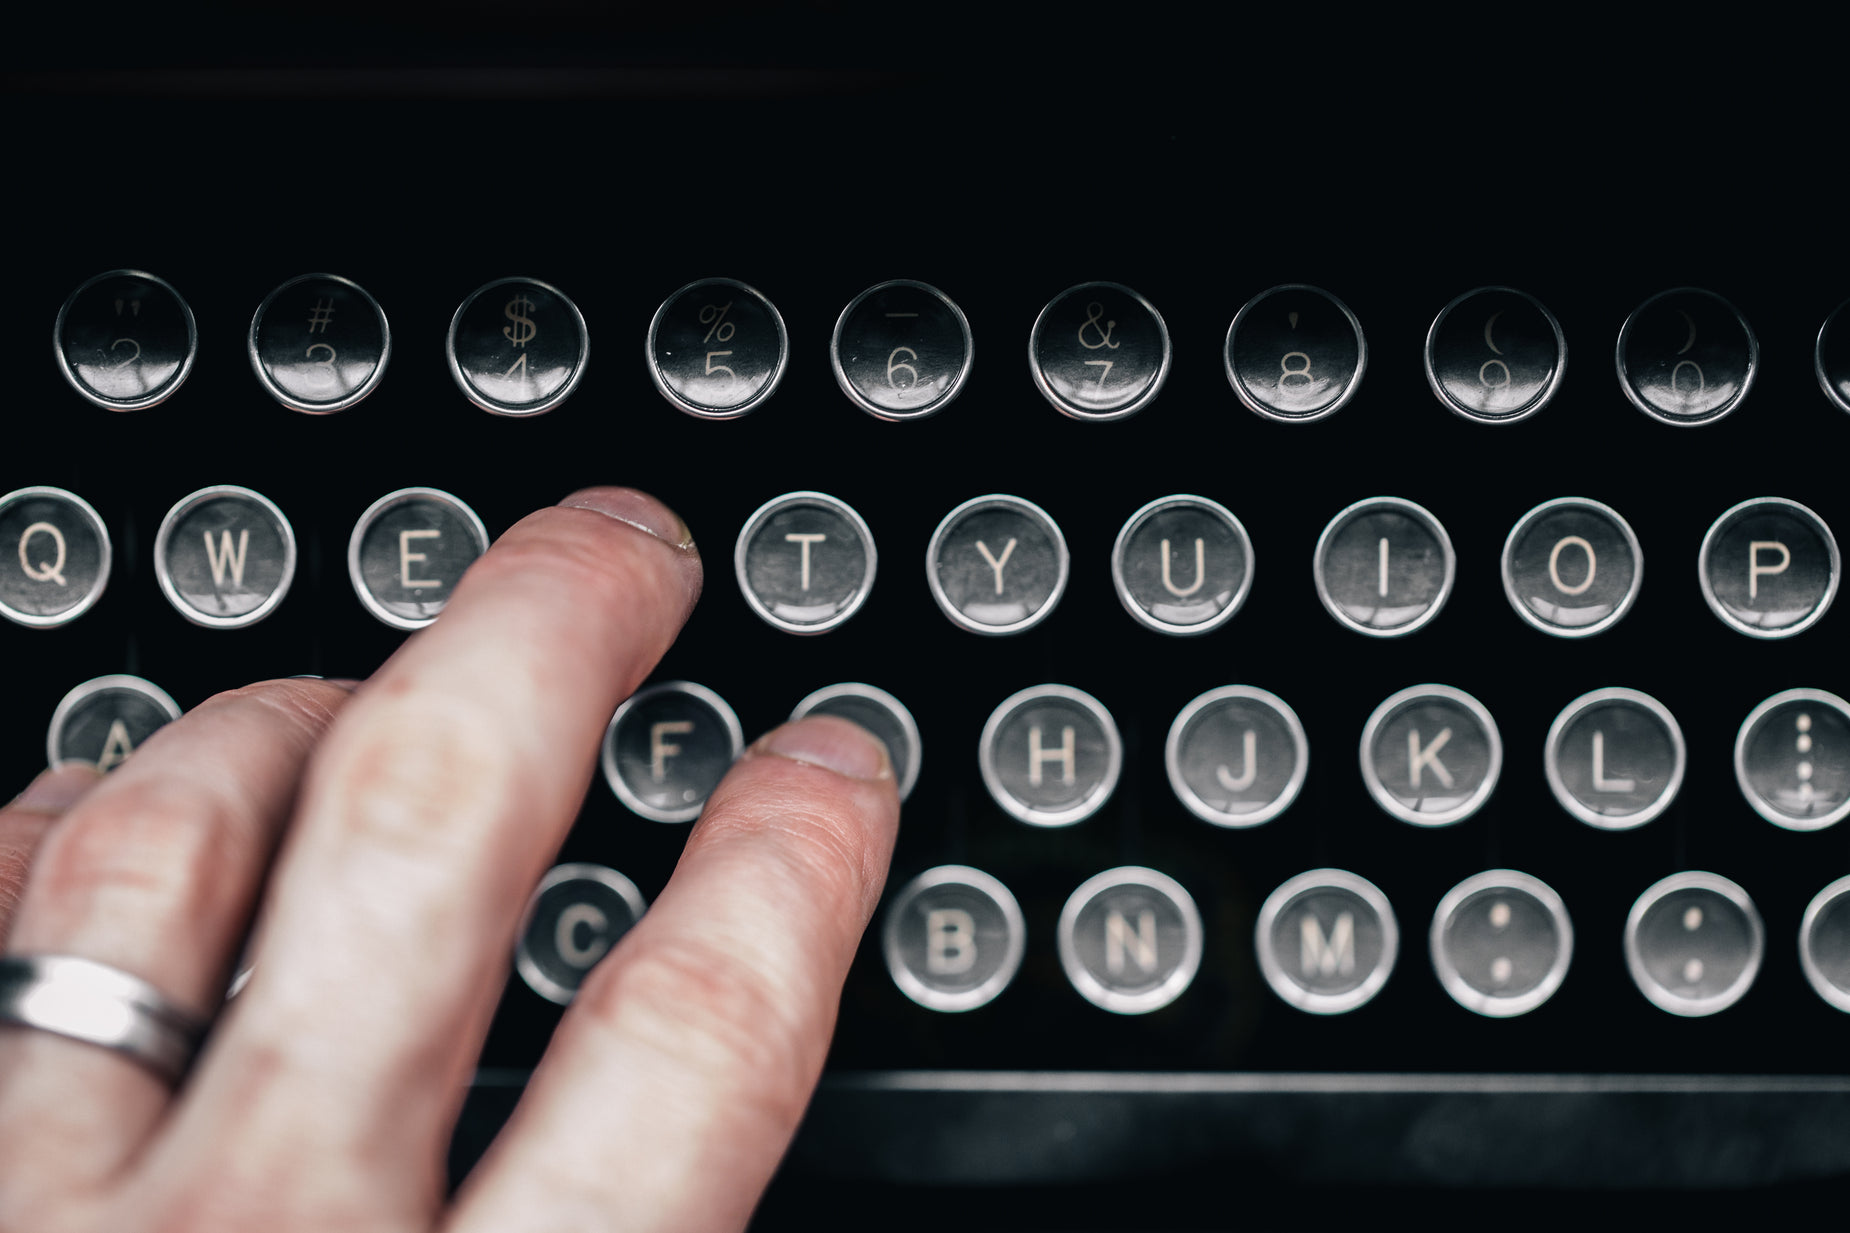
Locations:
{"points": [[1321, 651]]}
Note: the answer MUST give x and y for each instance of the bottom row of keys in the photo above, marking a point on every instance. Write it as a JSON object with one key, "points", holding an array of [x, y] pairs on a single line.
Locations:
{"points": [[1130, 939]]}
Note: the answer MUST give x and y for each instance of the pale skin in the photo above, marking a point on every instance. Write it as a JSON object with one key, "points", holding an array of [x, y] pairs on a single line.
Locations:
{"points": [[411, 815]]}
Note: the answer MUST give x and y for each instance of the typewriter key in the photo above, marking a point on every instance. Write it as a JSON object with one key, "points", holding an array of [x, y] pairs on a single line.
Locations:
{"points": [[805, 562], [1327, 941], [901, 350], [103, 721], [1614, 758], [1693, 944], [1295, 353], [1686, 357], [953, 938], [1495, 355], [1792, 759], [1824, 943], [1130, 940], [408, 551], [1099, 351], [319, 343], [1769, 567], [717, 349], [1236, 756], [125, 340], [667, 748], [1831, 357], [1501, 943], [225, 557], [1384, 567], [1050, 755], [54, 556], [1572, 567], [997, 565], [518, 346], [577, 913], [881, 714], [1182, 565], [1431, 755]]}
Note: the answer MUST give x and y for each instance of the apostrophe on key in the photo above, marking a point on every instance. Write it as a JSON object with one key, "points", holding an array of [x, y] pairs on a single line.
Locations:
{"points": [[1692, 918], [1499, 915]]}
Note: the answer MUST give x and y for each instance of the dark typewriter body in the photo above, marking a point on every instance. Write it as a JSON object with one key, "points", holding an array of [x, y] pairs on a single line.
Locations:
{"points": [[620, 183]]}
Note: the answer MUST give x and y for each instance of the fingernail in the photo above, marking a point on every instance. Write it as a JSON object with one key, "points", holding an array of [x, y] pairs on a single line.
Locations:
{"points": [[57, 789], [830, 742], [637, 509]]}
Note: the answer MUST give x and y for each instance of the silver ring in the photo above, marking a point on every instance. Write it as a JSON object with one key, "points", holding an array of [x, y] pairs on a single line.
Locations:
{"points": [[93, 1002]]}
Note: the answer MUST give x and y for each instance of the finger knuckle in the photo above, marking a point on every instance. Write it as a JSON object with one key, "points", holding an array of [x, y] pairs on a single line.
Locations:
{"points": [[422, 773], [151, 839]]}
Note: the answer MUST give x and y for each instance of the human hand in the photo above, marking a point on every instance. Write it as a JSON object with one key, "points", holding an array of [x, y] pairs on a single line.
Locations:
{"points": [[412, 815]]}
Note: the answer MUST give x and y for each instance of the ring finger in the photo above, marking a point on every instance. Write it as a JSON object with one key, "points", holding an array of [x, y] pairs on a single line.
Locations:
{"points": [[154, 871]]}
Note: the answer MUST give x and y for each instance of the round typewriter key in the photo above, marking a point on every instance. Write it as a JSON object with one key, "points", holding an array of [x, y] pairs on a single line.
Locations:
{"points": [[1495, 355], [1384, 567], [1693, 944], [125, 340], [997, 565], [1831, 358], [901, 350], [103, 721], [805, 562], [953, 938], [1686, 357], [1769, 567], [1182, 565], [1792, 759], [1237, 756], [667, 748], [408, 551], [717, 348], [225, 557], [1295, 353], [54, 556], [1099, 351], [1327, 941], [575, 916], [1572, 567], [1501, 943], [319, 343], [1824, 944], [518, 346], [1614, 758], [881, 714], [1130, 940], [1050, 755], [1431, 755]]}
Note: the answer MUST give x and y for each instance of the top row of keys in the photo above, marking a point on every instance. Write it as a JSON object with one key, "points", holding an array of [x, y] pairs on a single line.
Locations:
{"points": [[903, 350]]}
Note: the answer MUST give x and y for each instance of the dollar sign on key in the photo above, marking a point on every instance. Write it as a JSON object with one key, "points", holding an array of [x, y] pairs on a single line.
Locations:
{"points": [[522, 331]]}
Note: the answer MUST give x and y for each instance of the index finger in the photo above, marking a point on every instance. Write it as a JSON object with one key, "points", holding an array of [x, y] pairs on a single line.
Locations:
{"points": [[425, 818]]}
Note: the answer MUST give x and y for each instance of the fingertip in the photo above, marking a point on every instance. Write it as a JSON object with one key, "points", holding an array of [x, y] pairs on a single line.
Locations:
{"points": [[638, 509], [830, 742]]}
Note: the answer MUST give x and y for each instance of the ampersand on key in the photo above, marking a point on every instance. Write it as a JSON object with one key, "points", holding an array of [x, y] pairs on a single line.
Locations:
{"points": [[1094, 311]]}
